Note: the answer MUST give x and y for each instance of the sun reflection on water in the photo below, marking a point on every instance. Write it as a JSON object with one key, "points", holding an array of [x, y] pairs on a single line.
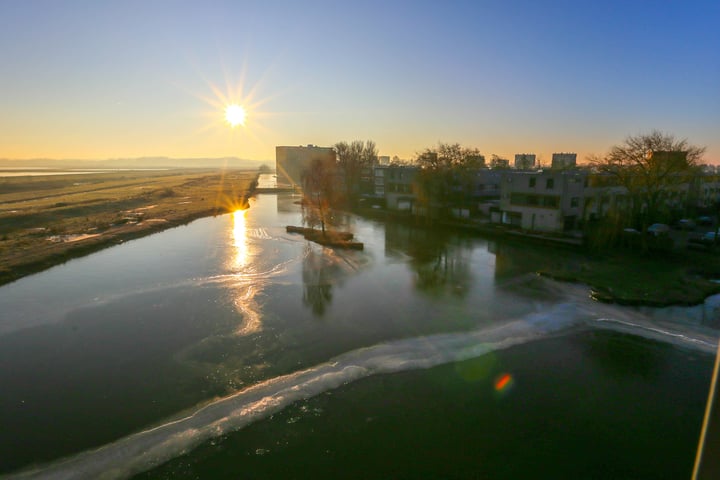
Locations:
{"points": [[245, 284], [240, 242]]}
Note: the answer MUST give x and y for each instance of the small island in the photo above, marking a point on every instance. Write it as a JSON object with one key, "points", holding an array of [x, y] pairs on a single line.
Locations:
{"points": [[327, 238]]}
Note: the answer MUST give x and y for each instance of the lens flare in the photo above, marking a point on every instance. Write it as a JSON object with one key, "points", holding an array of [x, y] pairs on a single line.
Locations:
{"points": [[503, 382]]}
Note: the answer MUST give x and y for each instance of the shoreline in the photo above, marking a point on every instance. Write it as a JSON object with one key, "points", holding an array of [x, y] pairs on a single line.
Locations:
{"points": [[59, 255], [680, 278], [604, 295], [43, 255], [46, 221]]}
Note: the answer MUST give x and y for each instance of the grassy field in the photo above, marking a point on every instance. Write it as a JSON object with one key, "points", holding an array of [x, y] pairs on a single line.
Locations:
{"points": [[46, 220]]}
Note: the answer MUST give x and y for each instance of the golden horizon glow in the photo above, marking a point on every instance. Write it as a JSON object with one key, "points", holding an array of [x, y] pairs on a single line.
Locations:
{"points": [[235, 115]]}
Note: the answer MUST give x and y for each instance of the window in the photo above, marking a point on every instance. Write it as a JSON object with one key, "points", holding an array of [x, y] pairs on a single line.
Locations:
{"points": [[574, 201], [550, 202], [532, 200], [532, 182], [550, 183]]}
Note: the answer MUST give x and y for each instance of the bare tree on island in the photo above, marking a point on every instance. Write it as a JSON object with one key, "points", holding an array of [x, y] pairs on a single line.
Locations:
{"points": [[651, 167], [319, 192]]}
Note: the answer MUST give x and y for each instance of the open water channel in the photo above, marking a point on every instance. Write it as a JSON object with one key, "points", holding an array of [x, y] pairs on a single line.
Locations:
{"points": [[229, 348]]}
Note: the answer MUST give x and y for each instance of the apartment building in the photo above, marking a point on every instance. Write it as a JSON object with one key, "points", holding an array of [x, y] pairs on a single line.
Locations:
{"points": [[525, 161], [291, 161], [398, 188], [561, 161], [543, 201]]}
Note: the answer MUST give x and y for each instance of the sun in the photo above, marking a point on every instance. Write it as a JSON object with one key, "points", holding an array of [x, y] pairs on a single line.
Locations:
{"points": [[235, 115]]}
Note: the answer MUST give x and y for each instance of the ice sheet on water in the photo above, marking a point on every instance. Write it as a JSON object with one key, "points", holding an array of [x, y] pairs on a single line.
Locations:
{"points": [[152, 447]]}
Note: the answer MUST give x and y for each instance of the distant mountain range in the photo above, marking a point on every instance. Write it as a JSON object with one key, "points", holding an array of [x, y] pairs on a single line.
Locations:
{"points": [[142, 162]]}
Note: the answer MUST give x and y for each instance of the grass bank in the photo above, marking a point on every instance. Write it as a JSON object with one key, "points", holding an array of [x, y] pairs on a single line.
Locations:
{"points": [[45, 221], [629, 278]]}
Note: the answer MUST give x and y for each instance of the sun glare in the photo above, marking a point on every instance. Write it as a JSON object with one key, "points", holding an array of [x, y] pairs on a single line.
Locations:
{"points": [[239, 234], [235, 115], [236, 107]]}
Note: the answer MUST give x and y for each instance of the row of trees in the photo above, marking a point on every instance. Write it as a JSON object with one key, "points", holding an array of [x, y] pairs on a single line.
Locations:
{"points": [[352, 159], [446, 175], [655, 170], [651, 168]]}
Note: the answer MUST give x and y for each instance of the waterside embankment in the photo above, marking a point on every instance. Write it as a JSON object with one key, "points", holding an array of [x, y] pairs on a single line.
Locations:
{"points": [[46, 221], [682, 277]]}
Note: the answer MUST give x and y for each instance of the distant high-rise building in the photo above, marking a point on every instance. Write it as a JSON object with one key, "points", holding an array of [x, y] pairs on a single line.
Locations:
{"points": [[291, 161], [497, 162], [524, 161], [562, 161], [383, 159]]}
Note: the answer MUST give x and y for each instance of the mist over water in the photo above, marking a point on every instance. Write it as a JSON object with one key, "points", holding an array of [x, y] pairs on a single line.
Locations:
{"points": [[202, 330]]}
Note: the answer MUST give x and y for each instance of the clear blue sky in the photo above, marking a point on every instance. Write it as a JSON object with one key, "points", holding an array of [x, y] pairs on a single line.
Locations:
{"points": [[103, 79]]}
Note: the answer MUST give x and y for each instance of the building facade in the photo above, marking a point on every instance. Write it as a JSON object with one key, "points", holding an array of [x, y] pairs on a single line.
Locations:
{"points": [[524, 161], [291, 161], [543, 201], [563, 160], [399, 189]]}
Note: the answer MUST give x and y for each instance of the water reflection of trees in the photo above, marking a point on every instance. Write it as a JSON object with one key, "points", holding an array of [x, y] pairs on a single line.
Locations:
{"points": [[440, 261], [333, 218], [319, 272]]}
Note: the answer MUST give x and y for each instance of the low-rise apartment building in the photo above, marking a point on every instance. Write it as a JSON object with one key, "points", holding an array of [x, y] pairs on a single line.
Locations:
{"points": [[399, 187], [543, 201]]}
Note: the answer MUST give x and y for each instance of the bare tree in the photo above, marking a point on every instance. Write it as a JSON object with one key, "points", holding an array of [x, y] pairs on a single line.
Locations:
{"points": [[450, 155], [319, 190], [651, 167], [446, 174], [352, 159]]}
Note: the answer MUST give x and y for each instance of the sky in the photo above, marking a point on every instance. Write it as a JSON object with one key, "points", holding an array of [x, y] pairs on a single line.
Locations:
{"points": [[124, 79]]}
